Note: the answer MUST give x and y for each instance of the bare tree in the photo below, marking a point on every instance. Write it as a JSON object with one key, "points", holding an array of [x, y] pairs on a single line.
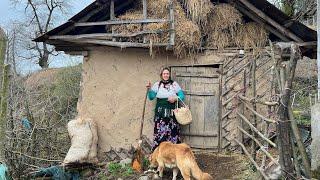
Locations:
{"points": [[41, 15]]}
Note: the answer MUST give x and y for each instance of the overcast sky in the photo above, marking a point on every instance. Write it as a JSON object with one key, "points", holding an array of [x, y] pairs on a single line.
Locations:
{"points": [[9, 13]]}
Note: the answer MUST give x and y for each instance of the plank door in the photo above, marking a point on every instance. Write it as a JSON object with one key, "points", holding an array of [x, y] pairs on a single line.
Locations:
{"points": [[201, 87]]}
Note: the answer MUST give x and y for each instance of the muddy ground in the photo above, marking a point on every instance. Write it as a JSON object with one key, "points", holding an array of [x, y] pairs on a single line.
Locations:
{"points": [[220, 166], [223, 166]]}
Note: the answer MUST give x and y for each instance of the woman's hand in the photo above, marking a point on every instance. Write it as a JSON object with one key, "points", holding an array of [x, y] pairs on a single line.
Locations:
{"points": [[172, 99], [148, 85]]}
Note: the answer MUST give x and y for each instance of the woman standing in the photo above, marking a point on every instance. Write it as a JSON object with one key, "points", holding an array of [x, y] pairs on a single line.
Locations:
{"points": [[166, 91]]}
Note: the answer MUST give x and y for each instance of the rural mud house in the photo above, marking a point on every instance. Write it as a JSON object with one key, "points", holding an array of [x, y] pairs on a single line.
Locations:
{"points": [[117, 62]]}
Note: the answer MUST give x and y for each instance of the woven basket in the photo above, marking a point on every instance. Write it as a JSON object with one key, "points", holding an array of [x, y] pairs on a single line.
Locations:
{"points": [[183, 114]]}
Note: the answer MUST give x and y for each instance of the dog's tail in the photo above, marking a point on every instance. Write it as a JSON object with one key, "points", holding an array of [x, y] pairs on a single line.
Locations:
{"points": [[196, 171], [206, 176]]}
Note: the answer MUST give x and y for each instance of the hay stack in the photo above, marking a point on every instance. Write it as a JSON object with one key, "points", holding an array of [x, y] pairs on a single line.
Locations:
{"points": [[251, 35], [225, 17], [129, 28], [219, 39], [188, 34], [222, 26], [199, 11]]}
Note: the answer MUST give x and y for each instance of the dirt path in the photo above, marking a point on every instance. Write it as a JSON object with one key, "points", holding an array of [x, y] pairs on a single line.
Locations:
{"points": [[222, 166]]}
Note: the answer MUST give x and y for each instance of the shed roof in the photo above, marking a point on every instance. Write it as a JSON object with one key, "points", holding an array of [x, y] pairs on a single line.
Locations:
{"points": [[276, 22]]}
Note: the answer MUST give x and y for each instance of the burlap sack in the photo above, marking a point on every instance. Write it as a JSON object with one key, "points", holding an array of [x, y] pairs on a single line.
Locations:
{"points": [[92, 157], [84, 138]]}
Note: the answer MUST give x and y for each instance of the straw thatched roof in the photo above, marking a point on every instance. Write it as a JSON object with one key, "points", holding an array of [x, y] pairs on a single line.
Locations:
{"points": [[279, 25]]}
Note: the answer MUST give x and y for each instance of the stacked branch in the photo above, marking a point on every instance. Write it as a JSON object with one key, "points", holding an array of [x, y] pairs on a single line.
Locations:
{"points": [[40, 107]]}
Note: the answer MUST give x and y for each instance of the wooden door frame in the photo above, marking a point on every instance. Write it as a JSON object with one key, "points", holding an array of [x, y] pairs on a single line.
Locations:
{"points": [[220, 67]]}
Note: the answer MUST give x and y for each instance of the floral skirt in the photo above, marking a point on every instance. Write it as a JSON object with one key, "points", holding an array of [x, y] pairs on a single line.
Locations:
{"points": [[166, 127]]}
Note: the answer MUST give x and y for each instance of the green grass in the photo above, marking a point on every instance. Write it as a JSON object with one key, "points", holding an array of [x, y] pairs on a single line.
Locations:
{"points": [[116, 170]]}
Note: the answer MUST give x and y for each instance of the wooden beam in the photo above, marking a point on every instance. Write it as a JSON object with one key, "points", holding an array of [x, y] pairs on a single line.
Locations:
{"points": [[261, 22], [103, 35], [120, 22], [145, 16], [116, 44], [256, 130], [310, 43], [259, 144], [145, 9], [199, 135], [259, 115], [261, 14], [268, 103], [172, 21], [252, 161], [118, 7], [112, 17]]}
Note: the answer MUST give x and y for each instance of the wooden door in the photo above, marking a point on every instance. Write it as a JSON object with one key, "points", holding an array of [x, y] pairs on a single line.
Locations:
{"points": [[201, 87]]}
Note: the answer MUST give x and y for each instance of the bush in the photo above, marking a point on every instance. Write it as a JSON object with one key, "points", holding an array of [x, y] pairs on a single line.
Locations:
{"points": [[46, 101]]}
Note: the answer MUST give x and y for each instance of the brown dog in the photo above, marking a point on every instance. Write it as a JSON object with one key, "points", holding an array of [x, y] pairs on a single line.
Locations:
{"points": [[178, 157]]}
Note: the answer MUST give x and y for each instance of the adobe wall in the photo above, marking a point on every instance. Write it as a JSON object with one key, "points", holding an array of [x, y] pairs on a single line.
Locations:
{"points": [[113, 91]]}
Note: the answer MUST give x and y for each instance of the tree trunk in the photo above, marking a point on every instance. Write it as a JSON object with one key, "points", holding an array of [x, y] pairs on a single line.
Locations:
{"points": [[3, 44], [287, 72], [43, 60]]}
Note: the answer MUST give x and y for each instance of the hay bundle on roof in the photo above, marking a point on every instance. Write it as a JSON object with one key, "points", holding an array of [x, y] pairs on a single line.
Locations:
{"points": [[187, 33], [199, 10], [129, 28], [225, 17], [222, 26], [158, 8], [219, 39], [251, 35]]}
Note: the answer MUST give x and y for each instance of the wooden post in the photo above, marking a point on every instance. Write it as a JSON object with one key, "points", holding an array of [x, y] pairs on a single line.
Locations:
{"points": [[254, 91], [284, 127], [241, 107], [172, 21], [252, 160], [295, 159], [145, 16], [3, 44], [297, 136], [315, 144], [112, 17], [3, 105]]}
